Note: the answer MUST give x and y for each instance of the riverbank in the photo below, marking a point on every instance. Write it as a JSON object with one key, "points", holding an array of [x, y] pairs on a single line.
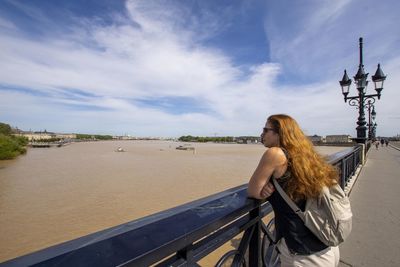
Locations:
{"points": [[12, 146], [52, 195]]}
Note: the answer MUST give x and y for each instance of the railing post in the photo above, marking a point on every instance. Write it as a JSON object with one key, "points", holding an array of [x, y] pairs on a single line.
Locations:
{"points": [[363, 154], [343, 173], [355, 165], [187, 254], [255, 240]]}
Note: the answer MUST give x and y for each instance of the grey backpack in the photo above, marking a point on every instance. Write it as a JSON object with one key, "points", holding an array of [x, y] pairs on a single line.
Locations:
{"points": [[328, 217]]}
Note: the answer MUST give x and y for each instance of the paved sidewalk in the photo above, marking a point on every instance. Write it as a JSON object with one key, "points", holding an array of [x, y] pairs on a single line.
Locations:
{"points": [[375, 200]]}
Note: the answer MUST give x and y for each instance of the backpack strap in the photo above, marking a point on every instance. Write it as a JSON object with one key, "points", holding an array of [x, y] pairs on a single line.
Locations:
{"points": [[287, 199]]}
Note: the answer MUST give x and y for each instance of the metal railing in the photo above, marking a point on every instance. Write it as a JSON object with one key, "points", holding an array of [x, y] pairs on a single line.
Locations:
{"points": [[183, 235], [347, 162]]}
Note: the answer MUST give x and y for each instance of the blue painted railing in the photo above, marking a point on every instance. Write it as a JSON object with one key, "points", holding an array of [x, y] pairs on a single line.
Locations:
{"points": [[183, 235]]}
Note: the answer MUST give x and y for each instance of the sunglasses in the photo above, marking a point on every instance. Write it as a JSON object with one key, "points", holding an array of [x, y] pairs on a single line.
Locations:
{"points": [[265, 130]]}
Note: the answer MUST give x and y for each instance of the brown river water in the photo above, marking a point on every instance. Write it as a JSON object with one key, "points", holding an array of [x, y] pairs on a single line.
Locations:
{"points": [[51, 195]]}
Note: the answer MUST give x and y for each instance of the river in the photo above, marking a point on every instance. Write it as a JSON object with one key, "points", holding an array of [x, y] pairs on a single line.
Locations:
{"points": [[51, 195]]}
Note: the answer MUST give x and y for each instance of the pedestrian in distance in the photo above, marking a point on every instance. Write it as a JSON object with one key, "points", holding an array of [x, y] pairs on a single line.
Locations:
{"points": [[382, 142], [377, 144], [302, 173], [386, 142]]}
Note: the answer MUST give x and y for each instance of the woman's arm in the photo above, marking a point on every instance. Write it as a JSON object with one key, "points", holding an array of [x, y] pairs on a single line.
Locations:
{"points": [[258, 185]]}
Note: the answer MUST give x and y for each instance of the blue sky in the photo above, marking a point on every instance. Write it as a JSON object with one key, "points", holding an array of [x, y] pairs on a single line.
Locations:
{"points": [[171, 67]]}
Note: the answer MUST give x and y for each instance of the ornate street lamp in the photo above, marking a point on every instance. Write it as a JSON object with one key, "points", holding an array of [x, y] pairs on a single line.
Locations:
{"points": [[371, 116], [358, 101], [374, 130]]}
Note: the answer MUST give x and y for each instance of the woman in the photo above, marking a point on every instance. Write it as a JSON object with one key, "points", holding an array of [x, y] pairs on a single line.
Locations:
{"points": [[302, 172]]}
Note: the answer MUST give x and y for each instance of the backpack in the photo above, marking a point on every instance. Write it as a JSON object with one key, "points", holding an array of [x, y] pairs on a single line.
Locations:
{"points": [[328, 217]]}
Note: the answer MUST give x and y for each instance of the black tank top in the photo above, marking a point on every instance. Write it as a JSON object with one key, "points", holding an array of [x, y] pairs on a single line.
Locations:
{"points": [[299, 239]]}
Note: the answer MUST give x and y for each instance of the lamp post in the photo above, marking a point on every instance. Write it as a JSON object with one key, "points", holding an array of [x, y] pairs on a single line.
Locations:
{"points": [[358, 101], [371, 116], [374, 130]]}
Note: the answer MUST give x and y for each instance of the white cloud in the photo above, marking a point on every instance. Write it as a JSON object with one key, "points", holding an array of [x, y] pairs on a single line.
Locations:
{"points": [[29, 10], [325, 33], [6, 24]]}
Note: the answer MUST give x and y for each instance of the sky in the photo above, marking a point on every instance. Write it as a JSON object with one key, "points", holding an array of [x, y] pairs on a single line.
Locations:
{"points": [[169, 68]]}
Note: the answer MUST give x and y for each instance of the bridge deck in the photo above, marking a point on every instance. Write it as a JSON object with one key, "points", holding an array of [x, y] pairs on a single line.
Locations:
{"points": [[375, 199]]}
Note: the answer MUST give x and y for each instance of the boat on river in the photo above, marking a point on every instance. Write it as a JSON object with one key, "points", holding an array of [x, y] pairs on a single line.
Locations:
{"points": [[120, 149], [185, 147]]}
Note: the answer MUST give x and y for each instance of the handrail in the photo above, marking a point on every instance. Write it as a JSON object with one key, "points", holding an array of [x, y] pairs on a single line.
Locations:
{"points": [[182, 235], [347, 161]]}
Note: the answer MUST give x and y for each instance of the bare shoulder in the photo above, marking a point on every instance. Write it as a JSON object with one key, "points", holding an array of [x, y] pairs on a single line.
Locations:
{"points": [[274, 155]]}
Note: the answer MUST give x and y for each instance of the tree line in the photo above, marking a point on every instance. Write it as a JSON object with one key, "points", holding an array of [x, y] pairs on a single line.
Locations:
{"points": [[93, 137], [11, 146], [203, 139]]}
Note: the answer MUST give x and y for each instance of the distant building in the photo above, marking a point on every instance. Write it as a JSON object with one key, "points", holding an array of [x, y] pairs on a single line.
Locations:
{"points": [[124, 137], [247, 139], [344, 138], [316, 138], [32, 136], [37, 135]]}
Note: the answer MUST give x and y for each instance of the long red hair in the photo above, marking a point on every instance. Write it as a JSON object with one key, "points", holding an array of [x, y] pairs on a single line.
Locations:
{"points": [[309, 170]]}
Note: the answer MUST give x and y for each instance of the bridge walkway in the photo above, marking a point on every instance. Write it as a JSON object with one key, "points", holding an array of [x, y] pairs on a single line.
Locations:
{"points": [[375, 199]]}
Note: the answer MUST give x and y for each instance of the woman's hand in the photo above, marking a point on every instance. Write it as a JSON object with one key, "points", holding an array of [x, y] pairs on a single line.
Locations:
{"points": [[267, 190]]}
